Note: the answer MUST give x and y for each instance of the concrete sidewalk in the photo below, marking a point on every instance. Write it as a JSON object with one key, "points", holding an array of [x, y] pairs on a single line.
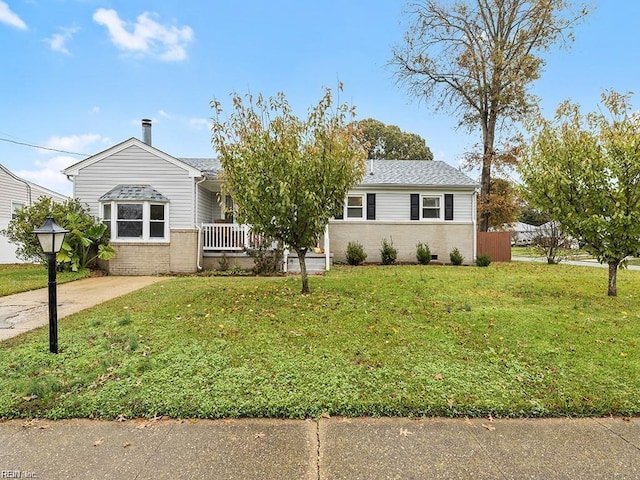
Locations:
{"points": [[333, 448], [28, 310]]}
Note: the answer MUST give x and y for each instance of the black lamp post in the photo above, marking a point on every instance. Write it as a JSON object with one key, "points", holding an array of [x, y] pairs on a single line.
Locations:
{"points": [[51, 235]]}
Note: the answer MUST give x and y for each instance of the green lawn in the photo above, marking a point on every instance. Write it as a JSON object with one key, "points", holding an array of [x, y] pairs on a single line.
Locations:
{"points": [[16, 278], [507, 340]]}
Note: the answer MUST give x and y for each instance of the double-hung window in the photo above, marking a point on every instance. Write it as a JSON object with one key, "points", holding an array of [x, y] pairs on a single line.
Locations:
{"points": [[431, 207], [355, 206]]}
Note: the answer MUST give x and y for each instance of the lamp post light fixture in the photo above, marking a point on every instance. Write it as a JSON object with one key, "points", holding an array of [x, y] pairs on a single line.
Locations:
{"points": [[51, 235]]}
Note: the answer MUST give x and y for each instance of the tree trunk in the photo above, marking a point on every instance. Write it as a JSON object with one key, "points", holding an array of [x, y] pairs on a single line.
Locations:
{"points": [[303, 269], [488, 137], [613, 276]]}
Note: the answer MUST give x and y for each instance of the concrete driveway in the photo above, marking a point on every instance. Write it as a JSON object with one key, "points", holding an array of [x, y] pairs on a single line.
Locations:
{"points": [[28, 310]]}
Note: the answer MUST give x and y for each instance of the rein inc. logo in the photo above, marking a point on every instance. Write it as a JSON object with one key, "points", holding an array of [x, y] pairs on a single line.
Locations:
{"points": [[17, 474]]}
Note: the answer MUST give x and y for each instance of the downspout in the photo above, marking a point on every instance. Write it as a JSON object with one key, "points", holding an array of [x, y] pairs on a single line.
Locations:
{"points": [[198, 227]]}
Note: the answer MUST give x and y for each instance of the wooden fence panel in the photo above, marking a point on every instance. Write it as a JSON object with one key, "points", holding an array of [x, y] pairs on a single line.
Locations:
{"points": [[496, 244]]}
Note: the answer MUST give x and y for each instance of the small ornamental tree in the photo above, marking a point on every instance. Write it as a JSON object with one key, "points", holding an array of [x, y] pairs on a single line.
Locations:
{"points": [[86, 241], [288, 176], [585, 171]]}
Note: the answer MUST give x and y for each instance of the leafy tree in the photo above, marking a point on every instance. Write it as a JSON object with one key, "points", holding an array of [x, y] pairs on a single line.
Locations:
{"points": [[388, 142], [502, 202], [478, 58], [532, 215], [288, 176], [86, 241], [585, 171]]}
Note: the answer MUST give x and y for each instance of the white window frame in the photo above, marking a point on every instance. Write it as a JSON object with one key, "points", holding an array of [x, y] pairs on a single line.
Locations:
{"points": [[362, 207], [440, 207], [15, 205], [146, 220]]}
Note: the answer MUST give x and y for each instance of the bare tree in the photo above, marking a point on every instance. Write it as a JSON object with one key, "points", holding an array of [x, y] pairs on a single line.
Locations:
{"points": [[479, 57]]}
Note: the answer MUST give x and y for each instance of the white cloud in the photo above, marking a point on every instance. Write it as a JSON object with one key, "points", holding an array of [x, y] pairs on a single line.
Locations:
{"points": [[58, 41], [10, 18], [146, 36], [95, 109], [47, 174], [47, 171], [76, 143], [199, 123]]}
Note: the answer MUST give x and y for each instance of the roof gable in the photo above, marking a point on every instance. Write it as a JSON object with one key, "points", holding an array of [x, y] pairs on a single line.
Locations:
{"points": [[75, 168]]}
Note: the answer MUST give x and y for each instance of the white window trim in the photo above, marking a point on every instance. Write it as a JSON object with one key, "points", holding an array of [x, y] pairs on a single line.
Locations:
{"points": [[146, 221], [345, 214], [15, 204], [440, 209]]}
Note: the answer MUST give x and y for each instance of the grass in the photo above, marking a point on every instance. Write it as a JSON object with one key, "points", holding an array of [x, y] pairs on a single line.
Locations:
{"points": [[507, 340], [16, 278]]}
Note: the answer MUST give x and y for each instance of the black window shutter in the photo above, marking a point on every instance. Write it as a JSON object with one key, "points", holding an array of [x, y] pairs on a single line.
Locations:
{"points": [[371, 206], [415, 206], [448, 206]]}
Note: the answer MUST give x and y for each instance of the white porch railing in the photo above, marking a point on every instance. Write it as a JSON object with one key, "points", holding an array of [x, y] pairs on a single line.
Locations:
{"points": [[233, 237], [229, 237]]}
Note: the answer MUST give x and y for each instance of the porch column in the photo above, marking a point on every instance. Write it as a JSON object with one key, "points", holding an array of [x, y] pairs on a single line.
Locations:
{"points": [[327, 253]]}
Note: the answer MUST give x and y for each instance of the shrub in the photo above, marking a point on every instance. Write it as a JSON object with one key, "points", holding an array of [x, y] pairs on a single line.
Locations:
{"points": [[87, 240], [456, 257], [355, 253], [423, 253], [266, 260], [483, 260], [388, 253]]}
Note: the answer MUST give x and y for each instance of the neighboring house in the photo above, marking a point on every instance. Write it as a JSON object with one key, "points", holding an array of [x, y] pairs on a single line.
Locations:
{"points": [[522, 234], [169, 214], [16, 193]]}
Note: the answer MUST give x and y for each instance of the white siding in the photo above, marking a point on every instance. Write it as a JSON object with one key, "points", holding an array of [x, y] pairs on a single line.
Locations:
{"points": [[135, 166], [207, 202], [14, 190], [394, 204], [10, 190]]}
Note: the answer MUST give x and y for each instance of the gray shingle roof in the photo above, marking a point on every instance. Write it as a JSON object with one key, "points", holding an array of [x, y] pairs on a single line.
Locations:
{"points": [[208, 166], [415, 172], [385, 172], [133, 192]]}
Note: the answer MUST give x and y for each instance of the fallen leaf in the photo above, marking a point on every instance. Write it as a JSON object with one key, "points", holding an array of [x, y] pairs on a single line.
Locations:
{"points": [[405, 433], [491, 428], [121, 418], [126, 444], [451, 402], [97, 442], [438, 376], [325, 415], [260, 435]]}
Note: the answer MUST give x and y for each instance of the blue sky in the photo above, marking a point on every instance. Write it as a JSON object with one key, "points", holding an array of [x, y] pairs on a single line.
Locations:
{"points": [[79, 75]]}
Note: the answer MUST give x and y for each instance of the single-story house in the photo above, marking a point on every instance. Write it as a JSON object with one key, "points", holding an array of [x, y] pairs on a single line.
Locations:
{"points": [[169, 214], [16, 193]]}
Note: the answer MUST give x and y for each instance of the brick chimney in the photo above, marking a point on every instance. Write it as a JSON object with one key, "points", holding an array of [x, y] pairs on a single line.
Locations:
{"points": [[146, 131]]}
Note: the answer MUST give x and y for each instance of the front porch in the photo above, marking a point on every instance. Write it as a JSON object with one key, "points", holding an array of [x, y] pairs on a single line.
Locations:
{"points": [[235, 240]]}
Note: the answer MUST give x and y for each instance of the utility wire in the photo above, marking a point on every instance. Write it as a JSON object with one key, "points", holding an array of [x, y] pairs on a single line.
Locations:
{"points": [[43, 148]]}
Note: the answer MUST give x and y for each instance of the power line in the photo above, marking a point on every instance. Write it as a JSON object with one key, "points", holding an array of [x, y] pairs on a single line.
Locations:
{"points": [[43, 148]]}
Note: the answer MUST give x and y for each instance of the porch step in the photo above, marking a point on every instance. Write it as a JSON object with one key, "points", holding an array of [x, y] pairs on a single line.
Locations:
{"points": [[315, 263]]}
